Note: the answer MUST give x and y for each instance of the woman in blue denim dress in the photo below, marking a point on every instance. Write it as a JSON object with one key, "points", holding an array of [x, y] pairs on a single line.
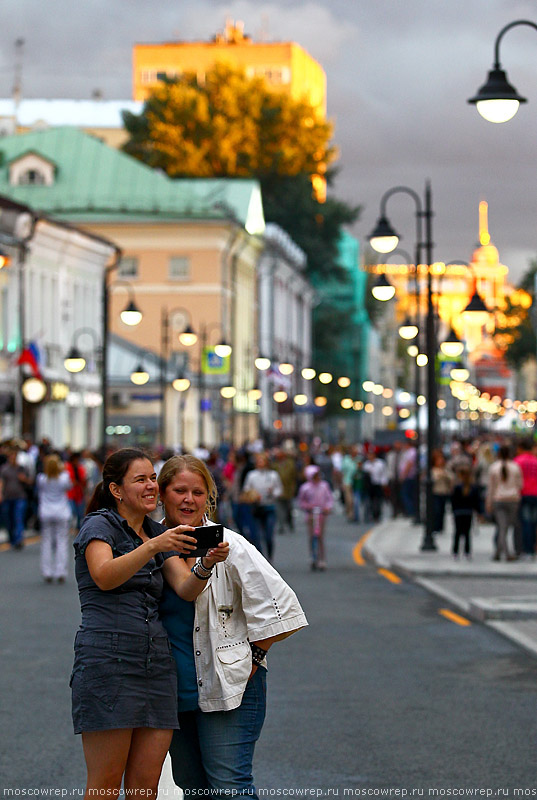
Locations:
{"points": [[124, 696]]}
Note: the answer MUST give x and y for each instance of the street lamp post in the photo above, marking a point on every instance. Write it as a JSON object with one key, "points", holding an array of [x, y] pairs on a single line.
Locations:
{"points": [[497, 100], [130, 315], [388, 239], [188, 337]]}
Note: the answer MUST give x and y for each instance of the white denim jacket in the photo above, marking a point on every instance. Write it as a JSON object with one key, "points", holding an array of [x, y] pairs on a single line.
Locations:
{"points": [[245, 600]]}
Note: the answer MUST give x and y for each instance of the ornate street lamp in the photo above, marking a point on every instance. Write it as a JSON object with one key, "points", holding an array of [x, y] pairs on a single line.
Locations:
{"points": [[139, 376], [497, 100], [383, 290], [74, 360], [452, 347], [476, 310], [385, 239], [408, 330]]}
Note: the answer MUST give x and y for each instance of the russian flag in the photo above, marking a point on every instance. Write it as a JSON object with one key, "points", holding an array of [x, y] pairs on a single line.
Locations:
{"points": [[32, 357]]}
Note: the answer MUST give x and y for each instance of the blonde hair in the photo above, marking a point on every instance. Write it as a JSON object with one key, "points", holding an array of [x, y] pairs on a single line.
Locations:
{"points": [[188, 463], [53, 466]]}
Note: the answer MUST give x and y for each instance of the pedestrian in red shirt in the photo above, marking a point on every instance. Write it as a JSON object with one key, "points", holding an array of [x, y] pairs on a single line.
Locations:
{"points": [[527, 462], [77, 494]]}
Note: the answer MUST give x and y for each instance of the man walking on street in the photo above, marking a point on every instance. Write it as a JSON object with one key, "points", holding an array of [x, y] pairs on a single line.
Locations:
{"points": [[527, 462], [285, 466]]}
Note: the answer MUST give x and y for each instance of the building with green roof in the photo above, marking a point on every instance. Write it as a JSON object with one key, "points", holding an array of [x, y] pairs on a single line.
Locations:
{"points": [[189, 255]]}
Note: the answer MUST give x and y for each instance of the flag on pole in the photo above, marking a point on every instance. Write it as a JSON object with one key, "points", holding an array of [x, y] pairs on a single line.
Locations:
{"points": [[31, 356]]}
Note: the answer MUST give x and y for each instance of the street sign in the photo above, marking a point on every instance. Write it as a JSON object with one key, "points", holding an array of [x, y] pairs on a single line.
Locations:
{"points": [[211, 364]]}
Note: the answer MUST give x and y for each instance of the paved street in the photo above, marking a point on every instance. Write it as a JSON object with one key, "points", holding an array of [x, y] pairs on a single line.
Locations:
{"points": [[381, 691]]}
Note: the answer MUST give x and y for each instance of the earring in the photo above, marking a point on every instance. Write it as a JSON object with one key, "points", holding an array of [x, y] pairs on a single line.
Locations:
{"points": [[120, 499]]}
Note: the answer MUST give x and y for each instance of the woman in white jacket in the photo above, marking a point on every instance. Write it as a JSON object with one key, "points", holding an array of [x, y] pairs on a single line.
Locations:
{"points": [[220, 643], [54, 512]]}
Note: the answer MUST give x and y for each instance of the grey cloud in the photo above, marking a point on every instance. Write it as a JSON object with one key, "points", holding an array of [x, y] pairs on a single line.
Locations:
{"points": [[398, 71]]}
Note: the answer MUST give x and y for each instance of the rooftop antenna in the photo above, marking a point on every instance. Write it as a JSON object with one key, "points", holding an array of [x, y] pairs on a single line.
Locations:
{"points": [[17, 79], [264, 29]]}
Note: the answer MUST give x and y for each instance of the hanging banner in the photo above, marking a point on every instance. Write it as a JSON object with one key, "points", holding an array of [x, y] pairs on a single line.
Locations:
{"points": [[211, 364]]}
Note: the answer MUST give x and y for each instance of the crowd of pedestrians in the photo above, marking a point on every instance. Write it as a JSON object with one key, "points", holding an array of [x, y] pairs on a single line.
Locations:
{"points": [[487, 478]]}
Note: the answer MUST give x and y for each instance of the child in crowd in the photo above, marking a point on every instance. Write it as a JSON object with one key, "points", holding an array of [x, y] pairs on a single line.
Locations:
{"points": [[315, 498], [465, 501]]}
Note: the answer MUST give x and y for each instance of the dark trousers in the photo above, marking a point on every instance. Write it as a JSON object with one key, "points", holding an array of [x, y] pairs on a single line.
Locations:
{"points": [[528, 521], [439, 510], [377, 494], [408, 496], [463, 523]]}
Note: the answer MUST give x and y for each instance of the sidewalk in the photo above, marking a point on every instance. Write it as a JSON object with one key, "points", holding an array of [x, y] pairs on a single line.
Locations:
{"points": [[502, 595]]}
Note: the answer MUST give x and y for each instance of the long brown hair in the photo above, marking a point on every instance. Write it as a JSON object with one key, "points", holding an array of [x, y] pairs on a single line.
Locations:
{"points": [[188, 463], [114, 470]]}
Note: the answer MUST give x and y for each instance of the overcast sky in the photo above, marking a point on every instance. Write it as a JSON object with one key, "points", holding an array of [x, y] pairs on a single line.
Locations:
{"points": [[399, 74]]}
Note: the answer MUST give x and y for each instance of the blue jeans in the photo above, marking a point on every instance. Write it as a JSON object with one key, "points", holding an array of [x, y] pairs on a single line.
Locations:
{"points": [[14, 512], [215, 749], [242, 514], [528, 522], [77, 510], [264, 523]]}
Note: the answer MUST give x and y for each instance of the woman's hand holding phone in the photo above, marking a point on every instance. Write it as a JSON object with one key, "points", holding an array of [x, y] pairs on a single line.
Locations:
{"points": [[179, 539], [216, 554]]}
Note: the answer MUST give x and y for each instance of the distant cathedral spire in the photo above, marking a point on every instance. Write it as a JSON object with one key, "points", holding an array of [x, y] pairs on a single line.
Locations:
{"points": [[484, 236]]}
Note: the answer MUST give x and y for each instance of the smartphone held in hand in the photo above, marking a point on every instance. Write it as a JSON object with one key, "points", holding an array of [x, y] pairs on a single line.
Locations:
{"points": [[207, 536]]}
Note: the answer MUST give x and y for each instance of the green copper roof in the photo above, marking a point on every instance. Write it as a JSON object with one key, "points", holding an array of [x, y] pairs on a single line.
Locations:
{"points": [[95, 181]]}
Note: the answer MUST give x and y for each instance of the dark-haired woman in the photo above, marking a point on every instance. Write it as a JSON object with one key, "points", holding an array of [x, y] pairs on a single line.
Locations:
{"points": [[124, 678], [503, 499]]}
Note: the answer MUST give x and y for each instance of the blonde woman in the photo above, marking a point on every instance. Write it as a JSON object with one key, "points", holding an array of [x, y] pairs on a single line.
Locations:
{"points": [[220, 642], [54, 513]]}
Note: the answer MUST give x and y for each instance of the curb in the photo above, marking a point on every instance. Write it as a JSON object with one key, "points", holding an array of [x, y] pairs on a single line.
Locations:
{"points": [[478, 609]]}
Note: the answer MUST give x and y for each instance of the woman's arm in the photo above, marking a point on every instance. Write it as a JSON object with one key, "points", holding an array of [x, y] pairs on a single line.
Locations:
{"points": [[109, 572], [178, 572]]}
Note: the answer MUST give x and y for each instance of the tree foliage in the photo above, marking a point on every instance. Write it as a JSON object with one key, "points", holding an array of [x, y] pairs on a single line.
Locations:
{"points": [[229, 126], [515, 326]]}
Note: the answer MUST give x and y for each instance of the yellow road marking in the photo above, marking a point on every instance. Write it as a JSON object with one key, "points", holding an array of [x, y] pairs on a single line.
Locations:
{"points": [[390, 576], [456, 618], [357, 550], [30, 540]]}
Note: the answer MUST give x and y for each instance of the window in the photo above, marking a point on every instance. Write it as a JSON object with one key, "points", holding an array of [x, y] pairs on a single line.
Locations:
{"points": [[148, 76], [179, 268], [32, 177], [128, 268]]}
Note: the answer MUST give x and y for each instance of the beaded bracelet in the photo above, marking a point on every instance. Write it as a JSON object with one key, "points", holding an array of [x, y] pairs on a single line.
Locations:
{"points": [[200, 571], [258, 654]]}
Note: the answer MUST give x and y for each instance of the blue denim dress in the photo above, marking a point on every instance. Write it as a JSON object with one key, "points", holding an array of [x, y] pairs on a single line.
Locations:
{"points": [[124, 674]]}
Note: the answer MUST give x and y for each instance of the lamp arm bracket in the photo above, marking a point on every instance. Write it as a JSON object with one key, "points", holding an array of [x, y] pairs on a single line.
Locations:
{"points": [[399, 190], [503, 31]]}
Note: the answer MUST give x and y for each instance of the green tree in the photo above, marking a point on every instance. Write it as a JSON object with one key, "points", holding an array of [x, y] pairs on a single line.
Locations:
{"points": [[515, 326]]}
